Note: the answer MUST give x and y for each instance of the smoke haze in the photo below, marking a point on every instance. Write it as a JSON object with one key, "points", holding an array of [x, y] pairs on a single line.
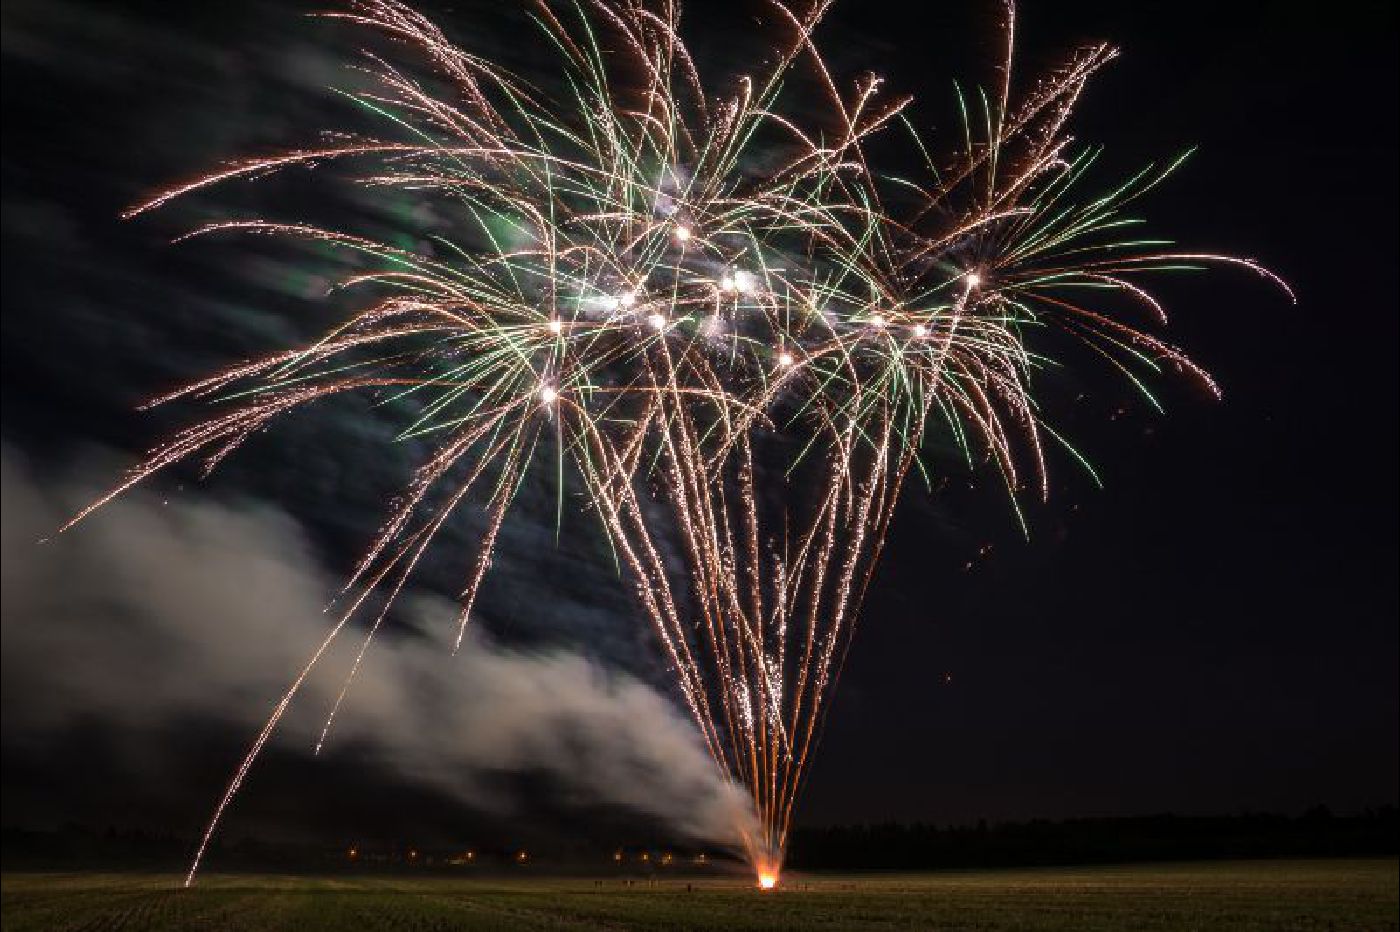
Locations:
{"points": [[154, 614]]}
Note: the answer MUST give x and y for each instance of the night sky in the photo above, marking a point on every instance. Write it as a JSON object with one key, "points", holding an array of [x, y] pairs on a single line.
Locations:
{"points": [[1213, 632]]}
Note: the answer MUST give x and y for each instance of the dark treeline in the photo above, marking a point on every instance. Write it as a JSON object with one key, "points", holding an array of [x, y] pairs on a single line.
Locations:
{"points": [[80, 847], [1315, 833]]}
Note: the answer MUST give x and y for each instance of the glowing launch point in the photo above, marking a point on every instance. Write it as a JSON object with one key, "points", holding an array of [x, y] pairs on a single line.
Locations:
{"points": [[767, 881]]}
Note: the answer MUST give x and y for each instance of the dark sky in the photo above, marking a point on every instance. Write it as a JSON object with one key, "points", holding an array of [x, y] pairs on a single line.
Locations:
{"points": [[1214, 631]]}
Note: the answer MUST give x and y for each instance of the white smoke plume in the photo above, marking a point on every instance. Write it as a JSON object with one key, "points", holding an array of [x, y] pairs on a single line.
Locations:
{"points": [[153, 613]]}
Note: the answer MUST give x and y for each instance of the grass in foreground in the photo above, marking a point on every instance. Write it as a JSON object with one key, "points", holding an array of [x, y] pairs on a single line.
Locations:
{"points": [[1241, 895]]}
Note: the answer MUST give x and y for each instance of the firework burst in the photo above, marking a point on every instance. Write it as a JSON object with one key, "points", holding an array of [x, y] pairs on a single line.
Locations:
{"points": [[730, 328]]}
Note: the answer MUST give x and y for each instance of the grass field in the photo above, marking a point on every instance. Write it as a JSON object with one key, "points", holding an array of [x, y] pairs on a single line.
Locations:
{"points": [[1253, 895]]}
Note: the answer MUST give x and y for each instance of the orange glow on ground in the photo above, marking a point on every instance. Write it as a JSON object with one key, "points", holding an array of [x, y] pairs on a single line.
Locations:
{"points": [[767, 881]]}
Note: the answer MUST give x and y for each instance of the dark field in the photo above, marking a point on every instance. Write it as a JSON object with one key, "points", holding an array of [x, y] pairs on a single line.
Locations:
{"points": [[1262, 895]]}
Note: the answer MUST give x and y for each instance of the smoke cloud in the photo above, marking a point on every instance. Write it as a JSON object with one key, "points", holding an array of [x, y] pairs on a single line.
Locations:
{"points": [[153, 614]]}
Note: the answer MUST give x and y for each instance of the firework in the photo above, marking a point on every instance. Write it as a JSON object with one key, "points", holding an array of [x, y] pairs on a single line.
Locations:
{"points": [[716, 315]]}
